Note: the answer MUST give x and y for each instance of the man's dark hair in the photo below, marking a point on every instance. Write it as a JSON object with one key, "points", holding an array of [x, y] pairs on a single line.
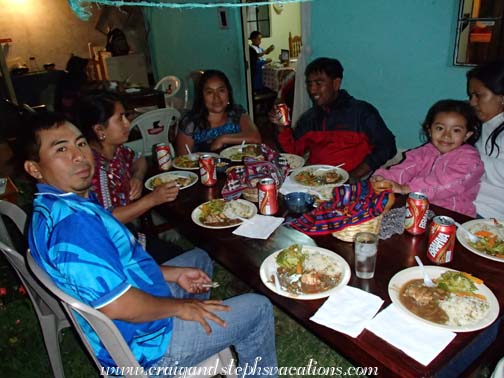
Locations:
{"points": [[28, 140], [331, 67], [254, 34]]}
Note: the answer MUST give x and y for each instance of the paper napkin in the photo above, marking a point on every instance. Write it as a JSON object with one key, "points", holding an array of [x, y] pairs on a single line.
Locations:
{"points": [[418, 340], [290, 186], [348, 310], [259, 227]]}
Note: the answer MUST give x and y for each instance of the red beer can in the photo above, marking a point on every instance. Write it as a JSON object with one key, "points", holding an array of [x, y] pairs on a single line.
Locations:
{"points": [[417, 205], [441, 240], [163, 156], [283, 115], [208, 172], [268, 196]]}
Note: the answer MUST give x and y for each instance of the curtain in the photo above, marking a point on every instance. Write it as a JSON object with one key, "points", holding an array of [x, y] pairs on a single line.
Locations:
{"points": [[302, 101]]}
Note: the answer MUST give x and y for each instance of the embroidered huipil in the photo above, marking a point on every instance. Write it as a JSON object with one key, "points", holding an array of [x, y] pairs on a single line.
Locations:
{"points": [[111, 180]]}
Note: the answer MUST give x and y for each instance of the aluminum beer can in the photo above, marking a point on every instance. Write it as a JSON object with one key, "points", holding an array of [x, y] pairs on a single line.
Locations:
{"points": [[163, 156], [417, 205], [268, 196], [208, 172], [283, 115], [441, 240]]}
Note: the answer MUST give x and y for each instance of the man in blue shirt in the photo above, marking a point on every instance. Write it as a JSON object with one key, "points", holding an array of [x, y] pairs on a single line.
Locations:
{"points": [[163, 312]]}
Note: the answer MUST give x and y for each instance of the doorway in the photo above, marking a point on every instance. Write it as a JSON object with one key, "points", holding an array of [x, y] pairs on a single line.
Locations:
{"points": [[275, 22]]}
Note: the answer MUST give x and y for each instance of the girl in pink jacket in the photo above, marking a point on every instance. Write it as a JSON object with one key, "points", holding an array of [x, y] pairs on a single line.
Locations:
{"points": [[448, 168]]}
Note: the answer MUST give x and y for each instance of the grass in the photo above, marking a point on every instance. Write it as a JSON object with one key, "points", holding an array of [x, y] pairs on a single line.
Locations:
{"points": [[24, 355]]}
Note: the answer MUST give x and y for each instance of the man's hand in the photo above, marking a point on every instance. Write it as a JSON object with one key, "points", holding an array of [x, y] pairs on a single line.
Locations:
{"points": [[164, 193], [190, 279], [200, 311], [135, 188], [269, 49]]}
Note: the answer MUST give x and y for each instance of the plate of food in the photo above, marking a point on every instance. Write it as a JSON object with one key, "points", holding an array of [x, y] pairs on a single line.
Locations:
{"points": [[185, 161], [211, 214], [237, 153], [318, 175], [459, 302], [182, 178], [295, 161], [491, 234], [304, 272]]}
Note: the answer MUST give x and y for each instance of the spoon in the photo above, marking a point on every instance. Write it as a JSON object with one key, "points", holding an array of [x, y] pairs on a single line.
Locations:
{"points": [[473, 238], [426, 279], [189, 152], [242, 145]]}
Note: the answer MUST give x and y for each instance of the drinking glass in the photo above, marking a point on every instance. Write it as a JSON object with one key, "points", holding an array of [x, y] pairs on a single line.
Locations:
{"points": [[365, 254]]}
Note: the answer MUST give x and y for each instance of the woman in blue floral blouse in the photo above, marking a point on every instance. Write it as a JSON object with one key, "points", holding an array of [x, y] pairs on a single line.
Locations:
{"points": [[215, 121]]}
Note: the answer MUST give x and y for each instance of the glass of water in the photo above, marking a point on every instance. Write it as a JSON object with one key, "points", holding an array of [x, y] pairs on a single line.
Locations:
{"points": [[366, 244]]}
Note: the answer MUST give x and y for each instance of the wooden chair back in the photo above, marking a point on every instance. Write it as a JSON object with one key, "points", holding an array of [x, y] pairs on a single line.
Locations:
{"points": [[294, 45]]}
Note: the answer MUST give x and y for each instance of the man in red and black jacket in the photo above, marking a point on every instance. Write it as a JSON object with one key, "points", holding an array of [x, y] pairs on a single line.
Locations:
{"points": [[338, 128]]}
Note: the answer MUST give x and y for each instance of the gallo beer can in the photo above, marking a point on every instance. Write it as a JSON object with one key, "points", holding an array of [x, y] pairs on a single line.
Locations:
{"points": [[163, 156], [441, 240], [282, 114], [208, 172], [417, 205], [268, 196]]}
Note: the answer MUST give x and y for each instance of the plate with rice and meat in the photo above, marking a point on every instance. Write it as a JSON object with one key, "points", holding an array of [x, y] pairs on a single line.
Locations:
{"points": [[458, 302], [304, 272]]}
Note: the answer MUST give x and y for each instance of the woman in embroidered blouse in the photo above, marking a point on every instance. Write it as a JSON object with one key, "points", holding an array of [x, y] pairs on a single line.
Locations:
{"points": [[485, 88], [214, 121], [119, 171]]}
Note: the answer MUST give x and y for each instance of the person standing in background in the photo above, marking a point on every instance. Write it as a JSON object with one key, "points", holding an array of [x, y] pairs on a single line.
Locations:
{"points": [[257, 60]]}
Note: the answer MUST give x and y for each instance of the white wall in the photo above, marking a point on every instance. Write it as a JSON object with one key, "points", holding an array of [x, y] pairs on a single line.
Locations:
{"points": [[47, 30], [281, 24]]}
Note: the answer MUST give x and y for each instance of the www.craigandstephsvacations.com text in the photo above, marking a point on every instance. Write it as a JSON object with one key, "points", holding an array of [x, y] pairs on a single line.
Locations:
{"points": [[311, 369]]}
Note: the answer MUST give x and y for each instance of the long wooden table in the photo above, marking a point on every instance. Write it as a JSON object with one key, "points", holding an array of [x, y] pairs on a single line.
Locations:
{"points": [[243, 257]]}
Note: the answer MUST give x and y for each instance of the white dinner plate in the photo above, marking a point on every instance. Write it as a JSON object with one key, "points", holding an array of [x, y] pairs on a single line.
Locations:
{"points": [[179, 159], [230, 151], [320, 169], [415, 272], [269, 266], [295, 161], [172, 176], [473, 226], [195, 215]]}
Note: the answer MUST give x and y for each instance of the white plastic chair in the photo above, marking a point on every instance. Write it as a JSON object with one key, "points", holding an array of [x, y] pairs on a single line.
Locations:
{"points": [[154, 127], [50, 314], [170, 85], [108, 333]]}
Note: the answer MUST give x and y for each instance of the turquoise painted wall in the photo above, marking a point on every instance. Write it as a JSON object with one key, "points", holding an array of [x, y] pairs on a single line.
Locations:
{"points": [[182, 41], [396, 54]]}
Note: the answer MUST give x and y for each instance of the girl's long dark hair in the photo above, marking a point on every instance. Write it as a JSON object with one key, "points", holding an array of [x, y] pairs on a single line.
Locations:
{"points": [[95, 109], [199, 111], [453, 106], [492, 76]]}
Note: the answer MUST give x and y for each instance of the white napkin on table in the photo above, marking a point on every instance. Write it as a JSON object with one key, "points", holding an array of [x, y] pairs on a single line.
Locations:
{"points": [[259, 227], [348, 310], [418, 340]]}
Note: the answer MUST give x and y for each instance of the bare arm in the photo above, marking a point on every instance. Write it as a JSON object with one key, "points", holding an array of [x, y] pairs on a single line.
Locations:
{"points": [[138, 171], [163, 193], [181, 141], [137, 306], [248, 133]]}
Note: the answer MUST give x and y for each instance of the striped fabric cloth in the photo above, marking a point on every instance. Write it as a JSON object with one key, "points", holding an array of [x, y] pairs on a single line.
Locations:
{"points": [[248, 176], [352, 204]]}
